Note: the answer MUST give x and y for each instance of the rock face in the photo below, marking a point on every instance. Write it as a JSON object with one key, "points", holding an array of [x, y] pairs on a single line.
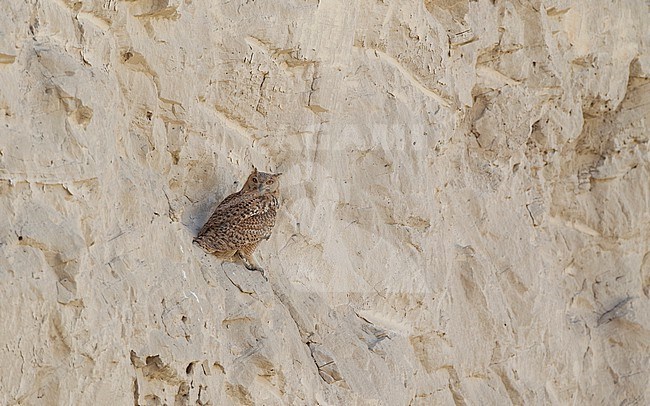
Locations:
{"points": [[466, 203]]}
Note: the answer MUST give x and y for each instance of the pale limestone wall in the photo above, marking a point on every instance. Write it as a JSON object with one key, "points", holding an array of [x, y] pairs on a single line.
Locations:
{"points": [[466, 202]]}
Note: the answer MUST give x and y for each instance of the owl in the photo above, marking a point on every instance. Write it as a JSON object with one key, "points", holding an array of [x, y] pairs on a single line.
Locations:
{"points": [[242, 220]]}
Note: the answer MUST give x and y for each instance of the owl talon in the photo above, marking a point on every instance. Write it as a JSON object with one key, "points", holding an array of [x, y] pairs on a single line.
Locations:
{"points": [[252, 265], [258, 269]]}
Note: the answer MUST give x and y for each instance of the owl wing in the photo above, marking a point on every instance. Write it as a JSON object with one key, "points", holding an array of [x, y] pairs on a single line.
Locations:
{"points": [[211, 236], [239, 221]]}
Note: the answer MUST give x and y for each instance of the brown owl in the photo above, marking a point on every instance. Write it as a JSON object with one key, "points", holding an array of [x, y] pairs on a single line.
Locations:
{"points": [[242, 220]]}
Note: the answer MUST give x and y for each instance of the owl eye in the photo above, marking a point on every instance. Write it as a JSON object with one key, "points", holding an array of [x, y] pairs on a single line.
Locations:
{"points": [[255, 180], [270, 182]]}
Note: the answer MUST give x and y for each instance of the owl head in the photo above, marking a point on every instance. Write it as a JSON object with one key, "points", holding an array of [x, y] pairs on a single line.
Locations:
{"points": [[262, 182]]}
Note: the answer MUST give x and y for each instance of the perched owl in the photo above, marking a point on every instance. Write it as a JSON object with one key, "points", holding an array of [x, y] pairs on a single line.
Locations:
{"points": [[242, 220]]}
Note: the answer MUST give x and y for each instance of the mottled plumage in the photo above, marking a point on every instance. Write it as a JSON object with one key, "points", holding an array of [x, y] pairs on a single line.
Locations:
{"points": [[242, 220]]}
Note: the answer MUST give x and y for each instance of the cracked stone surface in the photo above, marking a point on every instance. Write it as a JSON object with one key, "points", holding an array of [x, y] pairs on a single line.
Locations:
{"points": [[465, 202]]}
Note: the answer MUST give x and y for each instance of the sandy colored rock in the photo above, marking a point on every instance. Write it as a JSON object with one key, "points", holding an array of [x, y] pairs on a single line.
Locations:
{"points": [[465, 202]]}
